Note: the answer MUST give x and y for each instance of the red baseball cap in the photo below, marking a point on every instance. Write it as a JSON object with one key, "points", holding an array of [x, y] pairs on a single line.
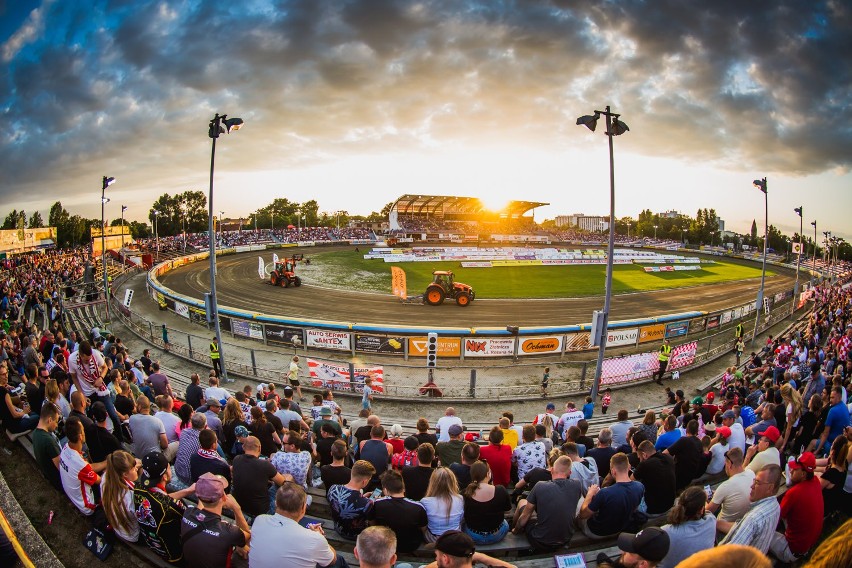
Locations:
{"points": [[772, 434], [806, 461], [723, 431]]}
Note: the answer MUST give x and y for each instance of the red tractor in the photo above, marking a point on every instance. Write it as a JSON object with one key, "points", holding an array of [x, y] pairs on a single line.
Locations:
{"points": [[284, 272], [443, 286]]}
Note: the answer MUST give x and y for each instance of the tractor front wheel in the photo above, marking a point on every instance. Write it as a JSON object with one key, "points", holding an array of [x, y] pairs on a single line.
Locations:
{"points": [[297, 281], [274, 279], [463, 299], [286, 282], [434, 296]]}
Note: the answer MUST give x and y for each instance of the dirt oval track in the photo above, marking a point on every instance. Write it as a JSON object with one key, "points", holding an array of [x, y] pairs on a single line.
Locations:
{"points": [[240, 287]]}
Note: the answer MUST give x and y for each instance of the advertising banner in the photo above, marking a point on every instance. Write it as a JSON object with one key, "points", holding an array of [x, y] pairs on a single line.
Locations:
{"points": [[540, 345], [182, 309], [677, 329], [489, 347], [447, 346], [578, 341], [292, 336], [698, 325], [617, 337], [247, 329], [380, 344], [652, 333], [198, 316], [336, 377], [398, 284], [338, 340], [683, 355], [713, 322], [726, 317], [642, 365]]}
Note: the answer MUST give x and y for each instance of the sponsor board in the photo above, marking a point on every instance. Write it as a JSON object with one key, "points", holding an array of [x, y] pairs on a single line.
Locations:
{"points": [[338, 340], [698, 325], [380, 344], [652, 333], [489, 347], [539, 345], [578, 341], [447, 346], [642, 365], [726, 317], [617, 337], [336, 377], [284, 335], [738, 313], [247, 329], [525, 262], [677, 329], [476, 264], [714, 321], [198, 316], [182, 310]]}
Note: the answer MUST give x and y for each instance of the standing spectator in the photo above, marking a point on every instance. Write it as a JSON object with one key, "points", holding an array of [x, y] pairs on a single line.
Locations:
{"points": [[77, 474], [663, 360], [88, 370], [159, 382], [443, 503], [691, 529], [499, 457], [754, 529], [688, 454], [45, 445], [485, 506], [449, 452], [545, 379], [292, 460], [571, 417], [293, 377], [602, 454], [530, 454], [764, 452], [252, 477], [117, 494], [166, 344], [349, 507], [406, 518], [418, 477], [801, 510], [149, 434], [608, 511], [554, 504], [443, 426], [306, 547], [656, 472], [215, 356], [207, 540]]}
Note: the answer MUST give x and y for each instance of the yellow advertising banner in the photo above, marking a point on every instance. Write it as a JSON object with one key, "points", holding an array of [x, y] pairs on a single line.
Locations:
{"points": [[398, 284], [652, 333], [447, 346]]}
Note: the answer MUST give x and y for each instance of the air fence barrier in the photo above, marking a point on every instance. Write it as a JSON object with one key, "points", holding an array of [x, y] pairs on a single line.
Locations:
{"points": [[497, 366]]}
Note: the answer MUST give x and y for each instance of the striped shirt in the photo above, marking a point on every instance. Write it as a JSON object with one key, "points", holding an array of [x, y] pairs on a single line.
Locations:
{"points": [[758, 526]]}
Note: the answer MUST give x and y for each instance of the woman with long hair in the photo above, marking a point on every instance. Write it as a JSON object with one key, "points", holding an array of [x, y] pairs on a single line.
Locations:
{"points": [[231, 418], [54, 397], [264, 431], [834, 477], [793, 402], [485, 506], [499, 457], [185, 413], [691, 528], [443, 503], [649, 426], [121, 474]]}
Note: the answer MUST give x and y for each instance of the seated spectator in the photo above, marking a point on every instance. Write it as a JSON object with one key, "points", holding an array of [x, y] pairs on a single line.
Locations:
{"points": [[148, 432], [485, 506], [408, 456], [406, 518], [417, 477], [326, 418], [160, 513], [207, 460], [543, 435], [214, 391], [510, 435], [443, 426], [117, 486], [443, 503], [608, 511], [292, 459], [649, 426], [211, 411], [170, 423], [571, 417], [530, 454], [14, 419], [207, 539], [77, 474], [764, 452], [423, 436], [264, 431], [194, 395], [188, 447], [688, 454], [349, 506], [46, 447], [375, 548], [648, 547], [767, 420], [323, 445], [832, 480], [499, 457], [754, 529], [449, 452], [802, 511], [583, 470], [584, 438], [620, 428], [737, 439], [691, 529], [232, 417], [99, 440], [836, 421], [603, 452], [253, 478], [656, 472], [336, 473], [469, 455], [718, 448], [671, 434], [378, 452], [554, 504], [396, 439]]}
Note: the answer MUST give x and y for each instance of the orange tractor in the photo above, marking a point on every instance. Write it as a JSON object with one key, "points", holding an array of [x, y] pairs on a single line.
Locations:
{"points": [[444, 286], [284, 272]]}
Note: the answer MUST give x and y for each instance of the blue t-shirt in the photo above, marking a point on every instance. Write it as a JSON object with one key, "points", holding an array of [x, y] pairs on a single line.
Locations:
{"points": [[667, 440], [588, 410], [365, 399], [613, 506], [836, 421]]}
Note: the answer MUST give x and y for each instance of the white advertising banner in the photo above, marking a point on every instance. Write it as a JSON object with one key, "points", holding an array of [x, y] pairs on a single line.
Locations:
{"points": [[323, 339], [617, 337], [181, 309], [489, 347]]}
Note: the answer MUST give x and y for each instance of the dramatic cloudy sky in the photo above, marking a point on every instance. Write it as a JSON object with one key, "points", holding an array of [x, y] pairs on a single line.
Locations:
{"points": [[354, 103]]}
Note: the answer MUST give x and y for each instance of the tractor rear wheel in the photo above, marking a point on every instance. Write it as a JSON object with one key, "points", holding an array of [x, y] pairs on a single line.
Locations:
{"points": [[434, 296], [286, 282], [274, 279], [463, 299], [297, 281]]}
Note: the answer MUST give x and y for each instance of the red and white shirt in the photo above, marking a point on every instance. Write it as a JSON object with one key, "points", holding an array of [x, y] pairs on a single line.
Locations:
{"points": [[88, 374], [845, 344], [77, 477]]}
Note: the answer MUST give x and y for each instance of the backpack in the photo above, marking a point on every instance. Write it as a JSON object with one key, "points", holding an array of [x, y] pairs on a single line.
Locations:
{"points": [[404, 458]]}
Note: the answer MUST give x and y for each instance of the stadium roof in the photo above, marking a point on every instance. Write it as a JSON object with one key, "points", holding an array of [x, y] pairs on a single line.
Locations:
{"points": [[410, 204]]}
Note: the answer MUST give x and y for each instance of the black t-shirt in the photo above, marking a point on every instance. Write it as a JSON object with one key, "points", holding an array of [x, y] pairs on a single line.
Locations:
{"points": [[146, 366], [462, 473], [807, 425], [416, 480], [689, 457], [124, 404], [835, 497], [535, 475], [657, 474], [251, 483], [361, 434], [193, 395], [486, 517], [35, 396], [101, 443], [335, 475], [324, 450], [5, 415], [264, 434], [199, 465], [426, 438], [85, 420], [275, 421], [211, 547], [601, 457], [160, 522], [404, 517]]}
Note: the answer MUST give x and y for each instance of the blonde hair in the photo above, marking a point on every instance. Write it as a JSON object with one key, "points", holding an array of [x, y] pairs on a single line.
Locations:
{"points": [[547, 422], [834, 549], [792, 396], [119, 464], [444, 486], [233, 412], [730, 555], [51, 390]]}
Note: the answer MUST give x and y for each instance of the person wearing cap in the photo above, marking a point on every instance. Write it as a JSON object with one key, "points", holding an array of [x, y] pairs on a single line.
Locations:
{"points": [[212, 410], [208, 540], [645, 549], [764, 452], [449, 452], [718, 448], [737, 438], [159, 513], [455, 549], [802, 510], [549, 409], [326, 418], [755, 528]]}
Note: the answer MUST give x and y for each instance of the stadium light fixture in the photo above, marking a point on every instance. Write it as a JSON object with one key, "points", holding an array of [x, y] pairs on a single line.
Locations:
{"points": [[798, 211], [107, 181], [220, 124], [762, 186], [123, 209], [614, 127]]}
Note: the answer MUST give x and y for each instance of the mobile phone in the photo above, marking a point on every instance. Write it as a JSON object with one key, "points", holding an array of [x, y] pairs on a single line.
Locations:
{"points": [[313, 525], [376, 494]]}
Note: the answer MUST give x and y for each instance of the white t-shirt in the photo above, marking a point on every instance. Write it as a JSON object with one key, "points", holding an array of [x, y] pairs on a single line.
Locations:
{"points": [[717, 459], [768, 456], [133, 535], [305, 548], [569, 419], [444, 423], [170, 422], [87, 375], [216, 393], [77, 477], [738, 437], [733, 496]]}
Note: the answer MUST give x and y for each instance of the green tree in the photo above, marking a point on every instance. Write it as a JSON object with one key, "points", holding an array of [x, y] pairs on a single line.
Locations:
{"points": [[753, 236], [36, 221], [11, 220]]}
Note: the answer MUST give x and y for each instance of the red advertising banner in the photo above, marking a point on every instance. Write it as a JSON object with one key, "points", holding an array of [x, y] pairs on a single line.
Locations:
{"points": [[326, 375]]}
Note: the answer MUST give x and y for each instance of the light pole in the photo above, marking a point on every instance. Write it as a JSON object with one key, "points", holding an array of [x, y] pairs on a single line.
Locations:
{"points": [[813, 271], [655, 232], [107, 181], [221, 230], [123, 209], [761, 185], [220, 124], [614, 127], [798, 211], [157, 234], [272, 218], [183, 223]]}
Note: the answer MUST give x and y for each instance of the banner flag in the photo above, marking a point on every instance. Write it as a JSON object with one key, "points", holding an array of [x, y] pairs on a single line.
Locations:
{"points": [[261, 268], [398, 284], [274, 258]]}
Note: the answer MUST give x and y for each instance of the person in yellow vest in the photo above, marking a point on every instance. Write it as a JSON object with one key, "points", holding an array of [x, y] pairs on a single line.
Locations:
{"points": [[663, 357], [214, 357], [738, 332]]}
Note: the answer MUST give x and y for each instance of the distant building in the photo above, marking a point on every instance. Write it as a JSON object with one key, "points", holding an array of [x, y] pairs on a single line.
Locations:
{"points": [[583, 222], [671, 214], [722, 225]]}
